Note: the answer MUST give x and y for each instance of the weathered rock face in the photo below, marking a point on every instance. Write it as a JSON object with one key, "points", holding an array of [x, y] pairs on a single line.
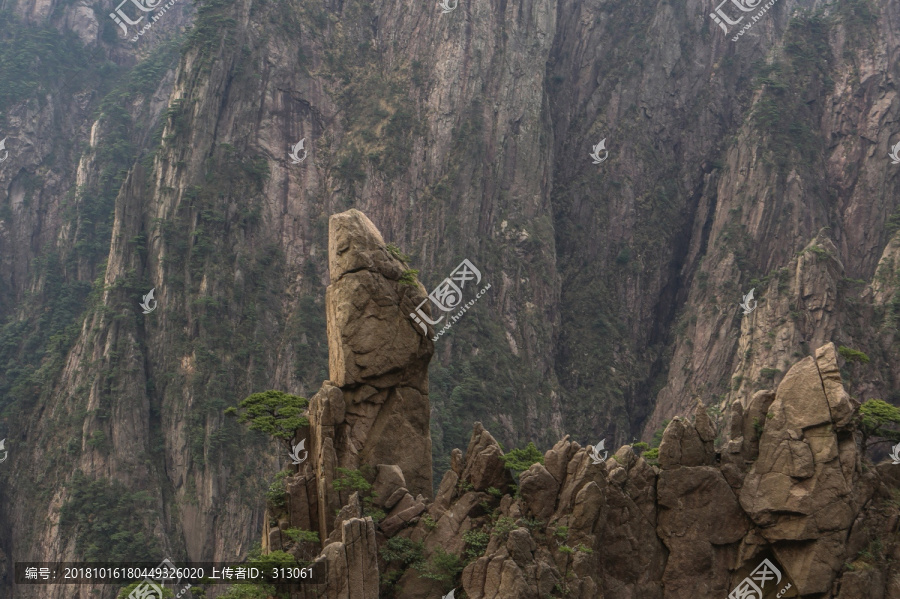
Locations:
{"points": [[700, 522], [374, 410], [483, 468], [349, 564], [788, 485], [373, 415], [456, 145], [801, 487], [372, 343], [682, 446], [783, 513]]}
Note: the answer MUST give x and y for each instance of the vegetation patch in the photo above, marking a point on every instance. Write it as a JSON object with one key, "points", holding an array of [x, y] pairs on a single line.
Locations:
{"points": [[782, 114], [441, 566], [519, 460], [354, 481], [274, 413], [110, 522], [853, 355], [879, 419]]}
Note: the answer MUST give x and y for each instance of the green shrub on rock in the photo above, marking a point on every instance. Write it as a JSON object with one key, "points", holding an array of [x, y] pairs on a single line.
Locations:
{"points": [[519, 460], [878, 418]]}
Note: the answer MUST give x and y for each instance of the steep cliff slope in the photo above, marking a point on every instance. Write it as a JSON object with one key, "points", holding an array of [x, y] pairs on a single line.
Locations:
{"points": [[789, 507], [757, 163]]}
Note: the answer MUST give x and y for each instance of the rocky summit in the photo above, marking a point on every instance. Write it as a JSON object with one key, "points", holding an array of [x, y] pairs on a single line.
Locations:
{"points": [[784, 504], [266, 264]]}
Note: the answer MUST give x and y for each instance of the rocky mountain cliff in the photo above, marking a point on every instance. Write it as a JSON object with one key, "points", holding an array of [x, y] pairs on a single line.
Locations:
{"points": [[163, 164], [789, 507]]}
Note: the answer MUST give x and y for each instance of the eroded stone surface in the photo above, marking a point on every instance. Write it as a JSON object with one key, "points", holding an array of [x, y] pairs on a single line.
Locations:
{"points": [[786, 483]]}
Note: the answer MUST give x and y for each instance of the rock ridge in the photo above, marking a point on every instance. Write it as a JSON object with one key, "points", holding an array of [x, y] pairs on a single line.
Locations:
{"points": [[786, 490]]}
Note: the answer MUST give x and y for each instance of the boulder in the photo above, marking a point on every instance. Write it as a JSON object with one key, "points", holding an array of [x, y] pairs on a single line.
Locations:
{"points": [[456, 461], [445, 494], [789, 488], [374, 411], [353, 509], [300, 511], [388, 479], [396, 496], [589, 504], [753, 422], [539, 490], [371, 337], [699, 516], [580, 471], [682, 446], [521, 546], [455, 522], [801, 486], [406, 510], [351, 564], [736, 420], [557, 458], [704, 426], [483, 467], [355, 244], [840, 404]]}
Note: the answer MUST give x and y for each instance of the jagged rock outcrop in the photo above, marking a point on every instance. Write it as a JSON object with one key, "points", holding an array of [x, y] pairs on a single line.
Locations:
{"points": [[784, 504], [803, 486], [374, 410], [349, 564], [462, 146], [372, 416]]}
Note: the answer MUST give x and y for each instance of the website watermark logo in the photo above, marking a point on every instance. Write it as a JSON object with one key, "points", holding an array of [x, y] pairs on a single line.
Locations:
{"points": [[295, 158], [121, 19], [596, 152], [450, 595], [595, 453], [152, 588], [446, 7], [895, 453], [146, 303], [3, 449], [745, 304], [752, 586], [448, 296], [894, 154], [721, 18], [6, 152], [295, 452]]}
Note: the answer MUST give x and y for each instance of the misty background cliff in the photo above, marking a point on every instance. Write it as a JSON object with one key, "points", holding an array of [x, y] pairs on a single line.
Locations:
{"points": [[163, 164]]}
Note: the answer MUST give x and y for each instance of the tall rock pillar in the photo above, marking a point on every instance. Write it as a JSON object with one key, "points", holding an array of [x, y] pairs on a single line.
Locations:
{"points": [[374, 409]]}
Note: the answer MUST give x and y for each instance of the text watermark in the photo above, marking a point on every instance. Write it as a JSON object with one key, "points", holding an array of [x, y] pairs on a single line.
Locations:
{"points": [[448, 296]]}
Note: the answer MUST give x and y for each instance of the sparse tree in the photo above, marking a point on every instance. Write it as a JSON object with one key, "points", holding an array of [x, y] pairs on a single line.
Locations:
{"points": [[273, 412], [878, 418], [520, 460]]}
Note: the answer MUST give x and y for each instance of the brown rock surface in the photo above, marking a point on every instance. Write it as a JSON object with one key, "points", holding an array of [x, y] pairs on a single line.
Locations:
{"points": [[350, 564], [682, 446], [388, 481], [557, 458], [840, 404], [621, 529], [539, 491], [755, 417], [699, 517], [374, 412], [371, 339], [484, 468], [503, 104], [801, 487]]}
